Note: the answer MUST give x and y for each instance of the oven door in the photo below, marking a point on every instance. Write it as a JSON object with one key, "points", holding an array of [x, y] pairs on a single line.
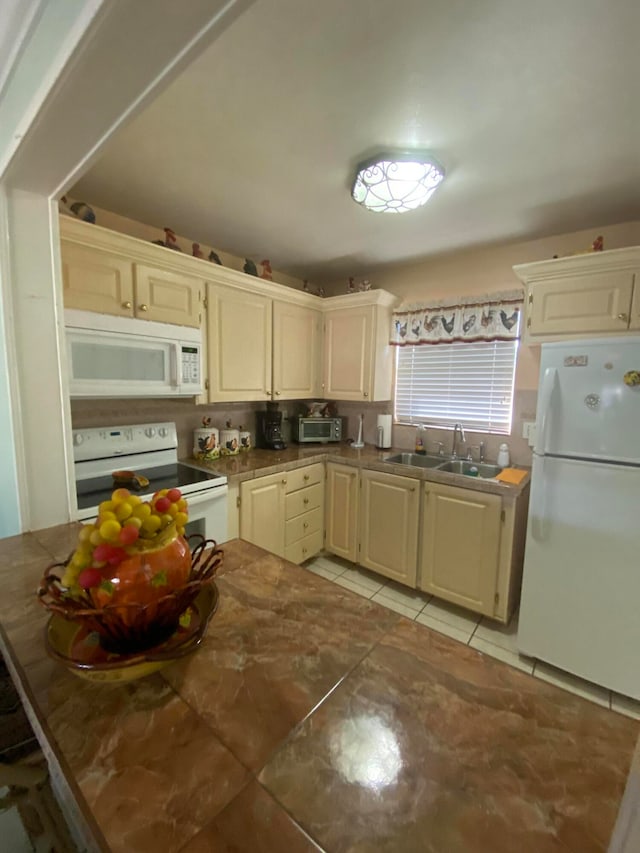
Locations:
{"points": [[208, 513]]}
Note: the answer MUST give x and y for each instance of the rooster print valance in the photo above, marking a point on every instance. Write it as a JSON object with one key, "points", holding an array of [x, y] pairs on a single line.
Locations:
{"points": [[488, 318]]}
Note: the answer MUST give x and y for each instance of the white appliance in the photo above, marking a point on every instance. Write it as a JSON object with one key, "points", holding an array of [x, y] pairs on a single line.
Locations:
{"points": [[150, 450], [581, 584], [125, 357]]}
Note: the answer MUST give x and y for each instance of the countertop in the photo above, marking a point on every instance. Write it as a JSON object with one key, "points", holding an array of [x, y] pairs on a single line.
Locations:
{"points": [[260, 463], [312, 719]]}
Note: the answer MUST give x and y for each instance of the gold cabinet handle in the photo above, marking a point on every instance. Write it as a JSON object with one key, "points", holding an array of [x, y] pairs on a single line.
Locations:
{"points": [[366, 393], [305, 501], [143, 307], [284, 481], [623, 317], [277, 393], [304, 550], [126, 305], [412, 489], [305, 524], [305, 477]]}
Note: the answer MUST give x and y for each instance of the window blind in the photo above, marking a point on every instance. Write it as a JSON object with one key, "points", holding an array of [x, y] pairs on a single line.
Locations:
{"points": [[467, 383]]}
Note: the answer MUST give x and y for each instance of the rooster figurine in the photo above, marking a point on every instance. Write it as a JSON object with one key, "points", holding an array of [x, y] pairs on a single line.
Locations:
{"points": [[214, 258], [195, 250], [170, 239], [447, 325], [267, 272], [430, 323]]}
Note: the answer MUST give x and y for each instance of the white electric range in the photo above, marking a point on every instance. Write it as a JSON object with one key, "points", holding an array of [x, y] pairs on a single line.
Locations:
{"points": [[150, 450]]}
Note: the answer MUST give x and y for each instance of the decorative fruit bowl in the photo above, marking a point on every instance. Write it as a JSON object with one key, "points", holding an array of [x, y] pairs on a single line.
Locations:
{"points": [[132, 576]]}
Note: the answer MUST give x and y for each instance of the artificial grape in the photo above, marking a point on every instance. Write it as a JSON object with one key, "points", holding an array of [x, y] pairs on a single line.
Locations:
{"points": [[123, 510], [182, 504], [133, 521], [151, 524], [69, 577], [81, 558], [117, 556], [96, 537], [162, 504], [129, 534], [105, 506], [166, 519], [142, 511], [174, 495], [120, 495], [85, 532], [102, 552], [181, 519], [173, 510], [88, 578], [134, 500], [107, 515], [110, 529]]}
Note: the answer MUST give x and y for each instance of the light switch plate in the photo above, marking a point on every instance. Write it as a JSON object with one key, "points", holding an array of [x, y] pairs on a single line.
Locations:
{"points": [[529, 432]]}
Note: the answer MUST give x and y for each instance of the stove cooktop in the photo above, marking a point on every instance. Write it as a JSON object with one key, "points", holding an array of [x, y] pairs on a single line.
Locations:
{"points": [[93, 491]]}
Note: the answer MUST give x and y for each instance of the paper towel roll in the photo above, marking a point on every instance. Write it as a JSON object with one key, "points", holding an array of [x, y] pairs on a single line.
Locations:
{"points": [[383, 432]]}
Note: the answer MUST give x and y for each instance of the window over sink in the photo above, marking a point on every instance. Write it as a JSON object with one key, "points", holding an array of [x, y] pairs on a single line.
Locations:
{"points": [[449, 383]]}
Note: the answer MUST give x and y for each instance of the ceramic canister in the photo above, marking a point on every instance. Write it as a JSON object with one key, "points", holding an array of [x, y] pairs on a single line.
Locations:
{"points": [[245, 439], [229, 441], [206, 443]]}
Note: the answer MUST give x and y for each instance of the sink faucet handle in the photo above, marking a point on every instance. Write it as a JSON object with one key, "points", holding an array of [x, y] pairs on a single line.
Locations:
{"points": [[481, 452], [441, 448]]}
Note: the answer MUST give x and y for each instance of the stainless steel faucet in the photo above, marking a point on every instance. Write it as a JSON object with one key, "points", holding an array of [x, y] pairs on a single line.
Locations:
{"points": [[481, 452], [457, 429]]}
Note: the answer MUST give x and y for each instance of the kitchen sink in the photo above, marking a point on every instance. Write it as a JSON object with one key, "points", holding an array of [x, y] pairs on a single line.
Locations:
{"points": [[416, 460], [464, 466]]}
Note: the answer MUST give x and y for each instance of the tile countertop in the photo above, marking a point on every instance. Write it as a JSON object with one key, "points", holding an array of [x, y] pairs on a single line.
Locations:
{"points": [[259, 463], [312, 719]]}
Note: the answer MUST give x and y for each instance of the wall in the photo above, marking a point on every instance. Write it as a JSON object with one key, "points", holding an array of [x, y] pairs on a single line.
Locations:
{"points": [[481, 271], [150, 232]]}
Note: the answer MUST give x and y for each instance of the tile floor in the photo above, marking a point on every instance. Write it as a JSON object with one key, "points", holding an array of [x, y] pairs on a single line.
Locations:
{"points": [[491, 638]]}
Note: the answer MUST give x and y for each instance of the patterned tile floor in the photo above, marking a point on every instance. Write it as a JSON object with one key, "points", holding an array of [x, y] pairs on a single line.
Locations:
{"points": [[485, 635]]}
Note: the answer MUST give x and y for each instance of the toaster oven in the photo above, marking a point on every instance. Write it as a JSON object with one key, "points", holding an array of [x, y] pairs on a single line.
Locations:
{"points": [[320, 430]]}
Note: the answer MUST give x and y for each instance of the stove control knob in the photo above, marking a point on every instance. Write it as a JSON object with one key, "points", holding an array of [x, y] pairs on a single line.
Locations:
{"points": [[150, 432], [78, 438]]}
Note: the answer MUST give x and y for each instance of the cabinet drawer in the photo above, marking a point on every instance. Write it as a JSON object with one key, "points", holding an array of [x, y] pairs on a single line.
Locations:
{"points": [[302, 477], [303, 525], [304, 548], [303, 500]]}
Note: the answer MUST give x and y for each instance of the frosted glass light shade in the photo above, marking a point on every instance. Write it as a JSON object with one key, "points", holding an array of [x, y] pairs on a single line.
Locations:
{"points": [[396, 183]]}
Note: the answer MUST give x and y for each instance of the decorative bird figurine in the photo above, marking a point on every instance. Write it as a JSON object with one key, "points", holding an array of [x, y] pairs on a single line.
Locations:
{"points": [[448, 324], [469, 323], [401, 328], [214, 258], [415, 328], [430, 324], [170, 239], [509, 322], [267, 272], [596, 246], [249, 267], [195, 250]]}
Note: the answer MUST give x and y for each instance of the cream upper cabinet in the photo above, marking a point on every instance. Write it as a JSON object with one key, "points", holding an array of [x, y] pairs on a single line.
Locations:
{"points": [[389, 525], [341, 511], [461, 546], [262, 512], [296, 351], [167, 297], [238, 344], [357, 355], [591, 294], [111, 273]]}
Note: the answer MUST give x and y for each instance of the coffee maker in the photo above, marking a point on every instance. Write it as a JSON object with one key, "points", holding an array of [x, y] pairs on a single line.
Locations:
{"points": [[269, 428]]}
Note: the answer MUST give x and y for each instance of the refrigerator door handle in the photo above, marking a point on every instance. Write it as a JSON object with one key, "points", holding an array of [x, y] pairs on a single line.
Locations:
{"points": [[537, 509], [549, 382]]}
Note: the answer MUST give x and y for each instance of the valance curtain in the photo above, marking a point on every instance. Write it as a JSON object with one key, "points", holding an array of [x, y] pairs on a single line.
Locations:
{"points": [[495, 317]]}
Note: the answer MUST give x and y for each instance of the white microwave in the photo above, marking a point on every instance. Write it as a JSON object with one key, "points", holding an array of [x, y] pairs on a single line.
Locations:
{"points": [[125, 357]]}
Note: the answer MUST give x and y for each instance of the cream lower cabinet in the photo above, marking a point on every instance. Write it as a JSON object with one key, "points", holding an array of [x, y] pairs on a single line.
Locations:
{"points": [[284, 513], [597, 293], [461, 539], [341, 510], [389, 507]]}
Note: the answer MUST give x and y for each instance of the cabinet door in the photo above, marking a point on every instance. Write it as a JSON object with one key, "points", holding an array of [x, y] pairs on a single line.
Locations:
{"points": [[296, 352], [634, 320], [598, 302], [238, 344], [262, 512], [348, 357], [96, 281], [389, 525], [460, 546], [341, 511], [167, 297]]}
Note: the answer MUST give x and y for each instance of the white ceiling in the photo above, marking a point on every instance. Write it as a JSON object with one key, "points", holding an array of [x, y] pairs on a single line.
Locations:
{"points": [[532, 109]]}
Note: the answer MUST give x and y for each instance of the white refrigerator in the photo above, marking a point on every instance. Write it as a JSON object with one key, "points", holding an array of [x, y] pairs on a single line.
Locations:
{"points": [[580, 607]]}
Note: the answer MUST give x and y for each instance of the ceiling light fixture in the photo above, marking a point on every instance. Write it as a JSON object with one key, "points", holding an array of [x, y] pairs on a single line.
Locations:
{"points": [[395, 183]]}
